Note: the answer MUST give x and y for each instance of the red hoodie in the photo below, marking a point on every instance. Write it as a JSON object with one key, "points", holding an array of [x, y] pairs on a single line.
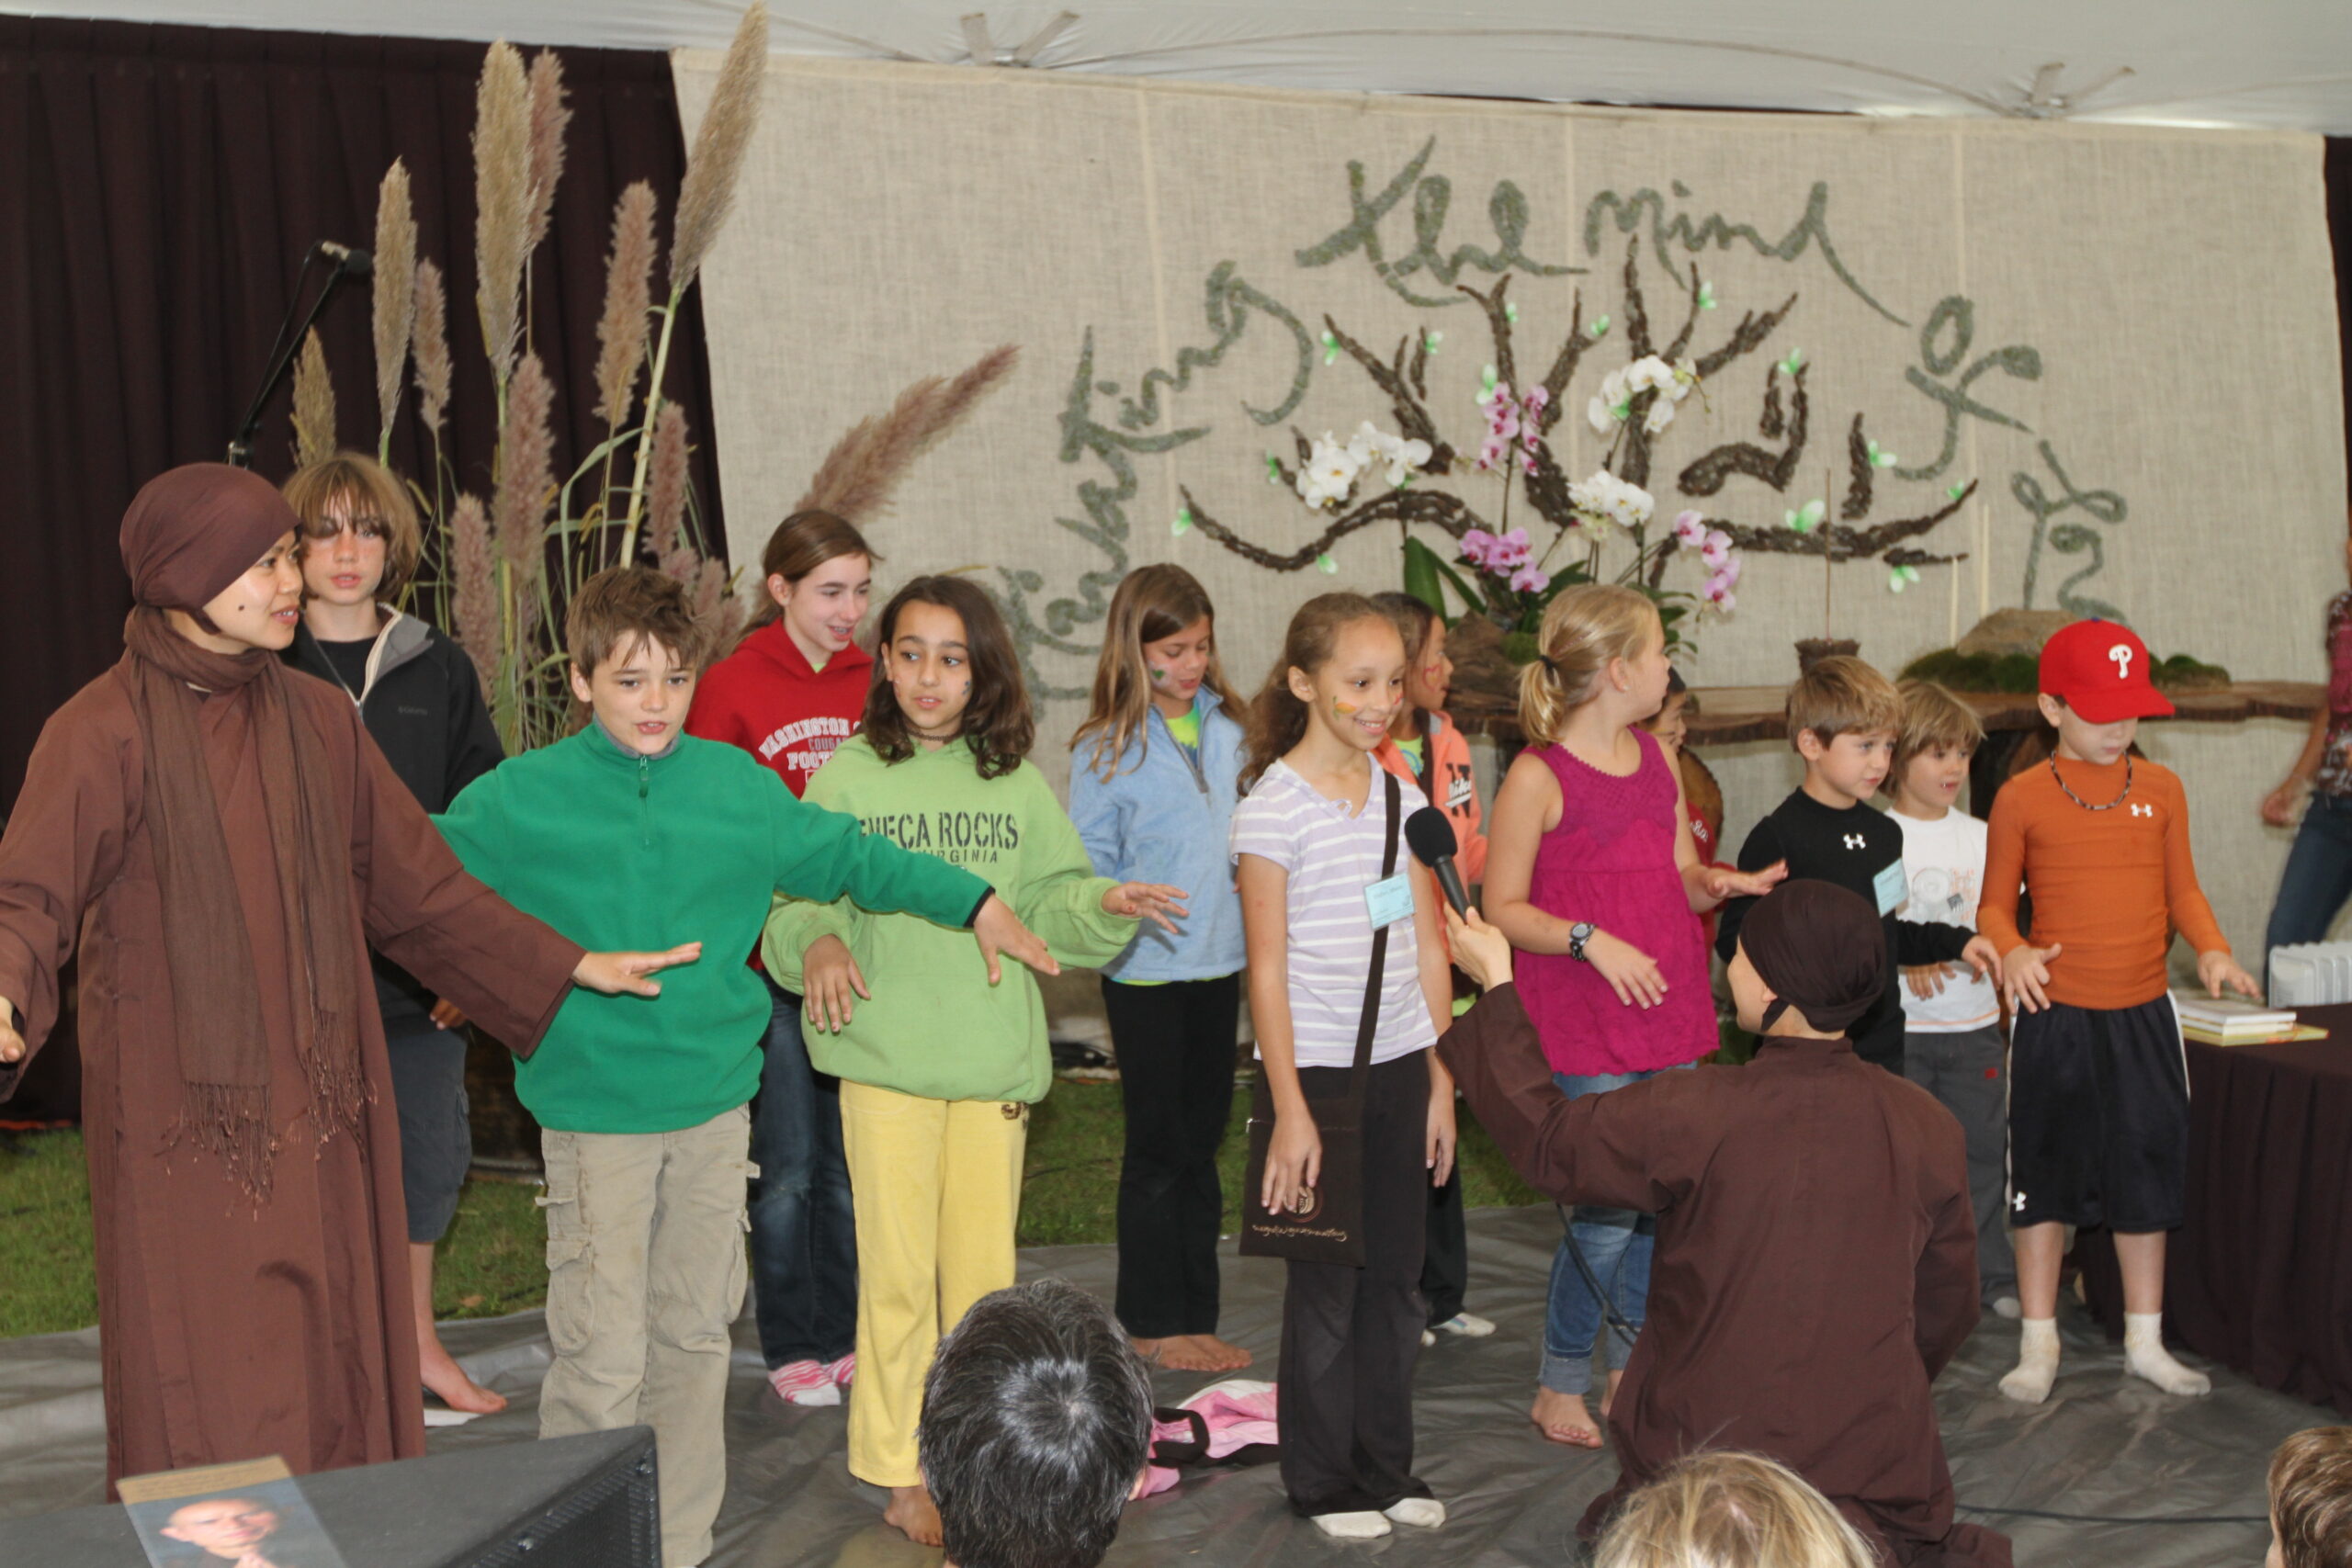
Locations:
{"points": [[765, 698]]}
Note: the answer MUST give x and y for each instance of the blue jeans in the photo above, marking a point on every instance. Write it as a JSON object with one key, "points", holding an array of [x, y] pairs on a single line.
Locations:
{"points": [[804, 1231], [2318, 877], [1616, 1244]]}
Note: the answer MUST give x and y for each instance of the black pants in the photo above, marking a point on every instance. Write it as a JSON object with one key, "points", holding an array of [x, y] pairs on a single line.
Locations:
{"points": [[1445, 1265], [2098, 1118], [1350, 1336], [1175, 1045]]}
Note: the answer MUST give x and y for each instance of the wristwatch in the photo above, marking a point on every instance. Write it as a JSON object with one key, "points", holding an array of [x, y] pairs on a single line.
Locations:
{"points": [[1578, 934]]}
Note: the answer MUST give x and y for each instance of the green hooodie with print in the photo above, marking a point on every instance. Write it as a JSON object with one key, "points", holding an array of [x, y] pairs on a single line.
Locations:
{"points": [[935, 1026]]}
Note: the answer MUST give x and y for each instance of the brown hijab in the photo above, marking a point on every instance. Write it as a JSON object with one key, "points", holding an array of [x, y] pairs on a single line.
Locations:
{"points": [[1822, 950], [188, 535]]}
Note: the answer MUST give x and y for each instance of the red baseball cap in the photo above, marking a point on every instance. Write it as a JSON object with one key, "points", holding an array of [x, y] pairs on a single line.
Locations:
{"points": [[2100, 668]]}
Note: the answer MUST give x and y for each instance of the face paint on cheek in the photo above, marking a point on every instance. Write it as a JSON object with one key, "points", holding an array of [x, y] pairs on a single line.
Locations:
{"points": [[1158, 675], [1345, 710]]}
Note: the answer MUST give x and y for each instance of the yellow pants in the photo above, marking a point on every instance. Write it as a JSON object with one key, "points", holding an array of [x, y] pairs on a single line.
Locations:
{"points": [[937, 1184]]}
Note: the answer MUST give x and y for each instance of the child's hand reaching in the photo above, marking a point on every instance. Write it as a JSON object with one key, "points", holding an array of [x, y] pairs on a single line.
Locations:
{"points": [[1631, 973], [1151, 901], [1925, 980], [829, 977], [1981, 955], [2025, 970], [1481, 951], [2217, 969], [1000, 932], [1722, 882], [617, 973]]}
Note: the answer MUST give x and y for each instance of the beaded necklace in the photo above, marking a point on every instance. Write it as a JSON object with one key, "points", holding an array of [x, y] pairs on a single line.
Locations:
{"points": [[2085, 804]]}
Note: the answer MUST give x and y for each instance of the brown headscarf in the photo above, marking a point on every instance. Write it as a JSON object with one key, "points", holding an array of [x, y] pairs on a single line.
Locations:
{"points": [[188, 535], [1820, 948]]}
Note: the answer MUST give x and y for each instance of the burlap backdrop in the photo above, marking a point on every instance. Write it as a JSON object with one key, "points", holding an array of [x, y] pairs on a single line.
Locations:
{"points": [[2123, 339]]}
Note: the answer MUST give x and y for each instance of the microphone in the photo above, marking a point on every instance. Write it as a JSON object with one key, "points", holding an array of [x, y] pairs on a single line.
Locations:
{"points": [[349, 258], [1431, 834]]}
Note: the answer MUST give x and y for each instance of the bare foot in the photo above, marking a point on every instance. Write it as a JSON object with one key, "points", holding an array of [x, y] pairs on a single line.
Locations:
{"points": [[1223, 1355], [1190, 1353], [1609, 1394], [439, 1371], [1563, 1418], [911, 1510]]}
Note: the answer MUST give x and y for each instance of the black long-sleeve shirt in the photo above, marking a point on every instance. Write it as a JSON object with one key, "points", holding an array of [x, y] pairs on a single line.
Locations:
{"points": [[1861, 850]]}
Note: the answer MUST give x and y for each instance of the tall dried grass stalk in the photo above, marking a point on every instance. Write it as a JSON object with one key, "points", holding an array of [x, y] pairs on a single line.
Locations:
{"points": [[718, 611], [502, 201], [707, 194], [314, 439], [866, 467], [549, 120], [525, 471], [474, 598], [629, 284], [666, 505], [395, 289], [429, 341]]}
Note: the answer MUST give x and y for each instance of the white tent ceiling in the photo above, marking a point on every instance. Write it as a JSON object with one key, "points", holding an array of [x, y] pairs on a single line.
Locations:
{"points": [[2278, 63]]}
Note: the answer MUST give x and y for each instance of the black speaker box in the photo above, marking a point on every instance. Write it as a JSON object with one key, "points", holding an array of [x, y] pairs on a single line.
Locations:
{"points": [[584, 1502]]}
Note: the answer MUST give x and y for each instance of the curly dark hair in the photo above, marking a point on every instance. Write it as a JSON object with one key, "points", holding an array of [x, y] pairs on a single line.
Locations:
{"points": [[997, 720]]}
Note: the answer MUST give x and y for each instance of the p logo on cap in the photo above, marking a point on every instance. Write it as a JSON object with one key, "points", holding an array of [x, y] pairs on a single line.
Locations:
{"points": [[2100, 670]]}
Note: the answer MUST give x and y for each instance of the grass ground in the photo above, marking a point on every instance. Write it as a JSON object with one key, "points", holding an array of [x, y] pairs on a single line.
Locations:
{"points": [[493, 1262]]}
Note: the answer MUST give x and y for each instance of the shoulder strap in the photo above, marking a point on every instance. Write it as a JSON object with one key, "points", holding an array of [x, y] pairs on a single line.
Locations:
{"points": [[1369, 1023]]}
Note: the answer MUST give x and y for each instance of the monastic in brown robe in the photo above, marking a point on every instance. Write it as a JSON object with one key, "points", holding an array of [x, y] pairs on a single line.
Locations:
{"points": [[229, 1328], [1816, 1265]]}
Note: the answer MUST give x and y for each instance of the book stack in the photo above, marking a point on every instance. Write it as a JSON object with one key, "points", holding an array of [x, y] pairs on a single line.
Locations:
{"points": [[2232, 1022]]}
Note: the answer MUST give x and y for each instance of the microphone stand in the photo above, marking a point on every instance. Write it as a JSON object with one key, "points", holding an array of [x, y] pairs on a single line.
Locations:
{"points": [[282, 351]]}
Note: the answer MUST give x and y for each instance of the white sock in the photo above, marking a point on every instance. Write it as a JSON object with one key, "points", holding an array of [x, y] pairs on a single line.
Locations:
{"points": [[2037, 1368], [2144, 1356], [1363, 1526], [1425, 1512]]}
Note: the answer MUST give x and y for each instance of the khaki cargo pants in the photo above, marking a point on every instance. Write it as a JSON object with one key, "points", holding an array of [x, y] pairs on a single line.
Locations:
{"points": [[645, 1272]]}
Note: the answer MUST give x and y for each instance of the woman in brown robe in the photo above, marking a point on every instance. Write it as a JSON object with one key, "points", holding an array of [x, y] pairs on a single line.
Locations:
{"points": [[1816, 1254], [222, 840]]}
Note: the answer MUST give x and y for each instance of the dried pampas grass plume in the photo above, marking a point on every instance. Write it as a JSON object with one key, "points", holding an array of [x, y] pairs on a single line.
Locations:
{"points": [[721, 613], [858, 477], [502, 201], [549, 120], [314, 439], [628, 284], [525, 471], [395, 288], [476, 606], [666, 500], [707, 194], [429, 341]]}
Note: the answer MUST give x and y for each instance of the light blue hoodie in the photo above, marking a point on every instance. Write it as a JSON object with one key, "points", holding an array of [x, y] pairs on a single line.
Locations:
{"points": [[1161, 818]]}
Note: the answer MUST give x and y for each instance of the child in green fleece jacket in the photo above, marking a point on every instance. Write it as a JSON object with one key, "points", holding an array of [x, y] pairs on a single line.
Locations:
{"points": [[938, 1062], [632, 826]]}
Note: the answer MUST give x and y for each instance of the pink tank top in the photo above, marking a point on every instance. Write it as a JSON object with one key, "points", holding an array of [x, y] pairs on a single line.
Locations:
{"points": [[1611, 861]]}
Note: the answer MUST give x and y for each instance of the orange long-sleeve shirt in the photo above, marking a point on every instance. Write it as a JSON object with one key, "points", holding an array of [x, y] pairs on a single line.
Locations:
{"points": [[2109, 887]]}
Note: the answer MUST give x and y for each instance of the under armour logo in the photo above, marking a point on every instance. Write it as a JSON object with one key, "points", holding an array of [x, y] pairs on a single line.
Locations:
{"points": [[2121, 654], [2018, 1203], [1855, 841], [2143, 811]]}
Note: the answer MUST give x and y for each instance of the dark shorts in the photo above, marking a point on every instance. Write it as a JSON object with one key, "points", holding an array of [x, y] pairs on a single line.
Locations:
{"points": [[436, 1134], [2099, 1117]]}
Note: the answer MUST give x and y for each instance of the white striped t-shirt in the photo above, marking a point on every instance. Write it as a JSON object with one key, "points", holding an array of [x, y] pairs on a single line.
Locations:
{"points": [[1330, 857]]}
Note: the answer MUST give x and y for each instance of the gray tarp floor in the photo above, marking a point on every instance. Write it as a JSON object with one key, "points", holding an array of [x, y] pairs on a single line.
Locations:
{"points": [[2103, 1445]]}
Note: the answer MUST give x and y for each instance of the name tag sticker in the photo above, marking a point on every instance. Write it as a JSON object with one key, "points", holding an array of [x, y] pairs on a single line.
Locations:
{"points": [[1389, 900], [1890, 887]]}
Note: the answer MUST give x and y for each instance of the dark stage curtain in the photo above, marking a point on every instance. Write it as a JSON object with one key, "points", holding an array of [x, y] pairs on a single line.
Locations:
{"points": [[161, 185], [2338, 167]]}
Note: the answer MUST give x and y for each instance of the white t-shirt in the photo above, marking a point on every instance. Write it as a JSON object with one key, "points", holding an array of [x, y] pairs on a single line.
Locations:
{"points": [[1330, 857], [1943, 864]]}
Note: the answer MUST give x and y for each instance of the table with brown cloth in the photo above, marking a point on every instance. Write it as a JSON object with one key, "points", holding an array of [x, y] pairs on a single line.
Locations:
{"points": [[2259, 1277]]}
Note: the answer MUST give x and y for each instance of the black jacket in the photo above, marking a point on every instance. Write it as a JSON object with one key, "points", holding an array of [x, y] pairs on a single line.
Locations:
{"points": [[423, 704]]}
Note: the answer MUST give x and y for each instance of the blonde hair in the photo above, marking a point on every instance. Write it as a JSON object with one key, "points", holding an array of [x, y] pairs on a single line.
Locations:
{"points": [[1583, 629], [1841, 695], [1151, 602], [366, 489], [1932, 716], [2311, 1497], [1726, 1509], [1277, 718]]}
